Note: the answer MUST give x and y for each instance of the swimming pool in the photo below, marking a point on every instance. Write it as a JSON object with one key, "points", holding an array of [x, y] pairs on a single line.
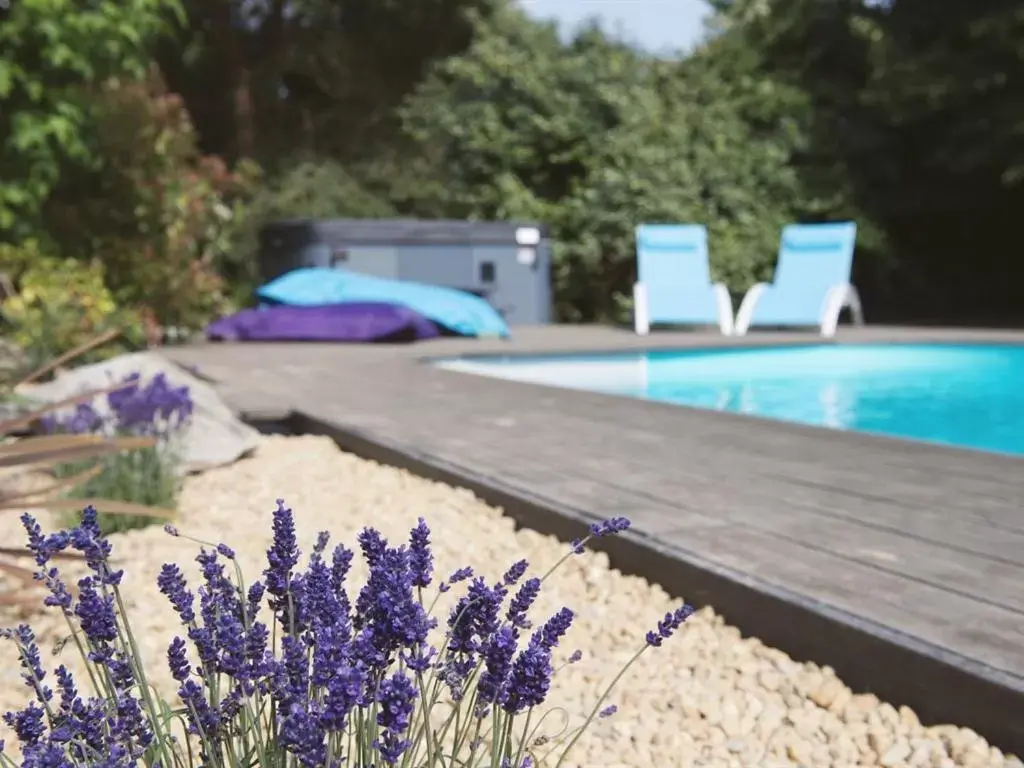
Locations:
{"points": [[968, 395]]}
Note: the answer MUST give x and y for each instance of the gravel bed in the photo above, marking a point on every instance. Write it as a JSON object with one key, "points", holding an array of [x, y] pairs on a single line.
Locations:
{"points": [[709, 696]]}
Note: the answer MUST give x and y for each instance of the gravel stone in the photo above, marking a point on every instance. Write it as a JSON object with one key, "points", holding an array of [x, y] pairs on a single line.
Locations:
{"points": [[709, 696]]}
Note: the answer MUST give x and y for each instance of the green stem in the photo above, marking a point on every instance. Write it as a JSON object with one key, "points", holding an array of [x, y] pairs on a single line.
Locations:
{"points": [[597, 706]]}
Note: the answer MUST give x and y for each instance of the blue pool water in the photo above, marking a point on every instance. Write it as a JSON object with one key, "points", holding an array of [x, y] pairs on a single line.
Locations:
{"points": [[969, 395]]}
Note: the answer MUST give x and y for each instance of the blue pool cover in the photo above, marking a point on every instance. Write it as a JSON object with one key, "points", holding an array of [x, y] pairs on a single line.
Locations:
{"points": [[458, 311]]}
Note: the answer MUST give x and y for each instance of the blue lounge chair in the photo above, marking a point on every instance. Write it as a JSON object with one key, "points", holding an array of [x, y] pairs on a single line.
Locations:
{"points": [[674, 282], [812, 281]]}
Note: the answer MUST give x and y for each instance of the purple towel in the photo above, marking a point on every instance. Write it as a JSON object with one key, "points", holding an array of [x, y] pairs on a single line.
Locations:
{"points": [[357, 322]]}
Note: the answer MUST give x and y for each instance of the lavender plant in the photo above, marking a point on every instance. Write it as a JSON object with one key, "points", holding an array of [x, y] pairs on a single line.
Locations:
{"points": [[298, 670], [148, 476]]}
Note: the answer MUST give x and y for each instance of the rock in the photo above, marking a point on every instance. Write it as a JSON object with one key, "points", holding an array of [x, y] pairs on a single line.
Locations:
{"points": [[215, 436], [799, 751], [909, 720], [880, 740], [826, 693], [897, 753]]}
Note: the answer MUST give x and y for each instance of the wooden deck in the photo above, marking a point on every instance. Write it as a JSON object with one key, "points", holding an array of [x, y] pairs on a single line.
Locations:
{"points": [[899, 564]]}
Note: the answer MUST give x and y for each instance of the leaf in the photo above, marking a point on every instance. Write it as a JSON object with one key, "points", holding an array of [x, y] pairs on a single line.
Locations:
{"points": [[106, 507], [71, 354], [21, 552], [61, 449], [68, 483]]}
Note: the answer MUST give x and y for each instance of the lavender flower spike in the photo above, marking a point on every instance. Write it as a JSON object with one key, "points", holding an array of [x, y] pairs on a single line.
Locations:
{"points": [[668, 625]]}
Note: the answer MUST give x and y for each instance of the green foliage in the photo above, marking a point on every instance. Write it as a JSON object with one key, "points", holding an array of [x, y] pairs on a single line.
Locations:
{"points": [[595, 138], [156, 212], [321, 76], [916, 114], [49, 50], [147, 476], [311, 188], [61, 304]]}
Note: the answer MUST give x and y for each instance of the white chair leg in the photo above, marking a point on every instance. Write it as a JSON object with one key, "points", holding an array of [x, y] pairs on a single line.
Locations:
{"points": [[746, 311], [724, 304], [839, 298], [641, 313]]}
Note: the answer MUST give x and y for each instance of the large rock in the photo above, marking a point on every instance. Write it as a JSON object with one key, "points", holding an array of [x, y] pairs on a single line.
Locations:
{"points": [[214, 437]]}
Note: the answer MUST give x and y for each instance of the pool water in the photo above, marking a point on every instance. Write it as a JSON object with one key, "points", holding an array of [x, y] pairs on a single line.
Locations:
{"points": [[968, 395]]}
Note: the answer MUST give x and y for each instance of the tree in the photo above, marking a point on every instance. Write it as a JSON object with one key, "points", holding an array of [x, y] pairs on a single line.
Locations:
{"points": [[51, 53], [265, 78], [917, 105], [595, 138]]}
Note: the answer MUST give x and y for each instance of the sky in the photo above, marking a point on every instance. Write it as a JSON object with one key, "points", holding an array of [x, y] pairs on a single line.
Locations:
{"points": [[657, 25]]}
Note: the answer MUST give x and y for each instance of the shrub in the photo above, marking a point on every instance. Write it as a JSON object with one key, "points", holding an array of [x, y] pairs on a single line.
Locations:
{"points": [[297, 670], [149, 475], [157, 213], [39, 451], [60, 304]]}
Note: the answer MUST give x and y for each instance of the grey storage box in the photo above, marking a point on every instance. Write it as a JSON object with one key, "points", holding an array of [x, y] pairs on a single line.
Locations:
{"points": [[507, 263]]}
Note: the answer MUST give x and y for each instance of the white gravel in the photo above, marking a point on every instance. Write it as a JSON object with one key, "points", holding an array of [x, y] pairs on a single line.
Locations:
{"points": [[708, 697]]}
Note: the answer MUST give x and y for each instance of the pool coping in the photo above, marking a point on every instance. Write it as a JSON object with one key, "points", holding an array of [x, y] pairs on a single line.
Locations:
{"points": [[853, 434]]}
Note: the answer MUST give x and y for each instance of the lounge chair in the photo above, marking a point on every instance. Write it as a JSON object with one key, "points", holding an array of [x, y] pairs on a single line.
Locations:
{"points": [[812, 281], [674, 282]]}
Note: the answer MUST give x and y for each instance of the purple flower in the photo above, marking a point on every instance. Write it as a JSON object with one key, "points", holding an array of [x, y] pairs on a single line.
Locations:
{"points": [[576, 656], [202, 718], [254, 599], [388, 614], [521, 603], [322, 540], [225, 551], [282, 557], [293, 673], [302, 735], [31, 664], [172, 584], [156, 409], [608, 711], [668, 625], [27, 724], [46, 755], [497, 664], [88, 539], [556, 627], [515, 573], [344, 690], [529, 679], [97, 618], [460, 575], [610, 526], [420, 557], [67, 688], [43, 547], [471, 622], [341, 562], [373, 545], [220, 606], [177, 660], [256, 640], [397, 700]]}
